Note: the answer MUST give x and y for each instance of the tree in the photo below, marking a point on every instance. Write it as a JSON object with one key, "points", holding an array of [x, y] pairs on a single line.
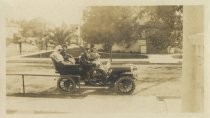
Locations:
{"points": [[30, 31], [33, 31], [165, 26], [37, 32], [60, 35], [108, 25], [18, 39], [124, 25]]}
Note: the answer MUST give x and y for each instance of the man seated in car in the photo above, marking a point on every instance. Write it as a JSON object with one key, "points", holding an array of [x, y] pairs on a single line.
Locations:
{"points": [[56, 55], [66, 56], [94, 57]]}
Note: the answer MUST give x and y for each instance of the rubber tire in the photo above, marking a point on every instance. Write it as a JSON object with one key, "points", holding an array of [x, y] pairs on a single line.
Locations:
{"points": [[122, 79], [64, 91]]}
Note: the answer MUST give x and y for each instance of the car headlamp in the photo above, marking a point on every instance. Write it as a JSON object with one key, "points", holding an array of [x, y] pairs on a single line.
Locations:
{"points": [[134, 71], [134, 68]]}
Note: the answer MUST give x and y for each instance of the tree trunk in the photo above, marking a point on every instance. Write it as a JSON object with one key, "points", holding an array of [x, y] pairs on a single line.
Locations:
{"points": [[111, 54], [20, 47], [46, 46]]}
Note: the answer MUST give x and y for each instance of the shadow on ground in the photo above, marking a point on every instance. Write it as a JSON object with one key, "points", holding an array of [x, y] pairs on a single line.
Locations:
{"points": [[55, 93]]}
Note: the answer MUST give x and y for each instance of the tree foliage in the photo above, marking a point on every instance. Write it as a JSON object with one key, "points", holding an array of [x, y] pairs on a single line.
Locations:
{"points": [[30, 31], [60, 35], [37, 32], [108, 25], [161, 26], [166, 26]]}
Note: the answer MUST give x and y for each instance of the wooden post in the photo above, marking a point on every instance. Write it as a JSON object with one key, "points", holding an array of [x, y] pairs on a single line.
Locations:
{"points": [[46, 45], [23, 84], [20, 47], [111, 54], [192, 79]]}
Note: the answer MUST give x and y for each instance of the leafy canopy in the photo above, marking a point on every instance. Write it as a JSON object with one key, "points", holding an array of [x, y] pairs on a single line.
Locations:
{"points": [[161, 26]]}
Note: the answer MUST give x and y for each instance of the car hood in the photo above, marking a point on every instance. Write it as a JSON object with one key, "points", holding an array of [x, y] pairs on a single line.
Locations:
{"points": [[120, 68]]}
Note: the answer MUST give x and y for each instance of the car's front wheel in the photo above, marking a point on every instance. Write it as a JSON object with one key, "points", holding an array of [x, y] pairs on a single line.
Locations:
{"points": [[125, 85]]}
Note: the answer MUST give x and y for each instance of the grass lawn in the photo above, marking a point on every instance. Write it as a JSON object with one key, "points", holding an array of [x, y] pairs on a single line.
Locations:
{"points": [[77, 52]]}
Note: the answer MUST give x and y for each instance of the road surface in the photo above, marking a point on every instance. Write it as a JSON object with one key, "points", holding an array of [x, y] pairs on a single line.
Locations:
{"points": [[157, 90]]}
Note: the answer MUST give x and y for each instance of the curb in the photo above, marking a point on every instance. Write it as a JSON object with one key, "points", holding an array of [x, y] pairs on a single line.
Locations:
{"points": [[114, 61]]}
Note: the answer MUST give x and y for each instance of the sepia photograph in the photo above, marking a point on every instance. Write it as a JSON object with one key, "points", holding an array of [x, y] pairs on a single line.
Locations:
{"points": [[70, 57]]}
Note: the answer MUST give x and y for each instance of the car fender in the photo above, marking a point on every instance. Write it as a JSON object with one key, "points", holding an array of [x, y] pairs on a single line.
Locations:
{"points": [[130, 74]]}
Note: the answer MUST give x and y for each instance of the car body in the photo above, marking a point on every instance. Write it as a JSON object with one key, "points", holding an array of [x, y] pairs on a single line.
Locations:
{"points": [[121, 77]]}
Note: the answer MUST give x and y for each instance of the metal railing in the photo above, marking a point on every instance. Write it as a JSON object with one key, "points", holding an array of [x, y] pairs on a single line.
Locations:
{"points": [[43, 75]]}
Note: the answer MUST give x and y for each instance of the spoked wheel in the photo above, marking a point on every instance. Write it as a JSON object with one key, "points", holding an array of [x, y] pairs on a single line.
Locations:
{"points": [[66, 85], [97, 77], [125, 85]]}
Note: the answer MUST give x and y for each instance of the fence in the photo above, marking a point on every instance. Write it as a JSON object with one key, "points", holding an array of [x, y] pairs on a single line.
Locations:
{"points": [[23, 78]]}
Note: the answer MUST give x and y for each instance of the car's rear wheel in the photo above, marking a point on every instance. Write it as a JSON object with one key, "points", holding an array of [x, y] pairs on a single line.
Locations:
{"points": [[66, 85], [125, 85]]}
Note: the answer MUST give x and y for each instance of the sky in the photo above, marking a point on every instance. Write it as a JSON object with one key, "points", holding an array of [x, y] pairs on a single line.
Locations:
{"points": [[53, 11], [64, 11]]}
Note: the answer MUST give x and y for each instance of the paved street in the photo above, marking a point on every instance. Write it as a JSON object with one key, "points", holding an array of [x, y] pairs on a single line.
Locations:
{"points": [[157, 90], [90, 104], [152, 79]]}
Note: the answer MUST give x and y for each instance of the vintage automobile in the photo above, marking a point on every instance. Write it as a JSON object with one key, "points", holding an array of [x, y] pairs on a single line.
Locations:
{"points": [[121, 78]]}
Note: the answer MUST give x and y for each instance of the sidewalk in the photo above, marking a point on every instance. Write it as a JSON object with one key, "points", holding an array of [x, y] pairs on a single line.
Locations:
{"points": [[92, 104], [153, 59]]}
